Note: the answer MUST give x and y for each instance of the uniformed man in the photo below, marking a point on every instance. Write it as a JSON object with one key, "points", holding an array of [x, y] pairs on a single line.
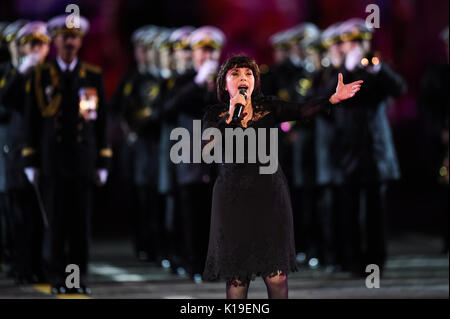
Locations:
{"points": [[324, 84], [135, 105], [33, 44], [433, 102], [121, 178], [279, 78], [180, 63], [7, 71], [365, 155], [67, 147], [182, 53], [281, 46], [194, 91], [163, 221], [302, 137], [292, 81], [151, 52]]}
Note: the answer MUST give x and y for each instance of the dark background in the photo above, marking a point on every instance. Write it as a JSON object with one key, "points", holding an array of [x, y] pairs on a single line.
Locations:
{"points": [[408, 38]]}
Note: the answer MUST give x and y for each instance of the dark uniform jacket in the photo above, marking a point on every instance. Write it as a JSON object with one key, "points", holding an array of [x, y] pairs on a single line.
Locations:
{"points": [[12, 127], [364, 149], [293, 83], [59, 140], [167, 169], [188, 102], [136, 103], [434, 103], [279, 80], [325, 85]]}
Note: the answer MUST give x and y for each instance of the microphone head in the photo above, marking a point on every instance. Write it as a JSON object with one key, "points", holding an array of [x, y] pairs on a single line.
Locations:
{"points": [[243, 91]]}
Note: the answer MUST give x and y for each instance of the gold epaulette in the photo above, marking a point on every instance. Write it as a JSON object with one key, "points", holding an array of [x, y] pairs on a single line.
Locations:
{"points": [[127, 88], [92, 67], [284, 94], [143, 112], [44, 66], [27, 151], [50, 109], [106, 152], [170, 83]]}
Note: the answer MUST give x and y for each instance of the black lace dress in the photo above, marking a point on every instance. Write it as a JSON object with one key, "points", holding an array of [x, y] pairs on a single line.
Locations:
{"points": [[251, 224]]}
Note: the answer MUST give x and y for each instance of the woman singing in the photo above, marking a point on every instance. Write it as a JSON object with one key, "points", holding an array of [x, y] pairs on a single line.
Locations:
{"points": [[251, 224]]}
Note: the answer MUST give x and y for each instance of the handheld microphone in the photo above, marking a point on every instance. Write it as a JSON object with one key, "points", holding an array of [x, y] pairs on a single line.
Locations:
{"points": [[239, 107]]}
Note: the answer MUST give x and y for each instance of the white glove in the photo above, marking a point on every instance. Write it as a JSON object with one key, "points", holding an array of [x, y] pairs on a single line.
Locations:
{"points": [[90, 115], [93, 115], [131, 138], [32, 174], [29, 62], [353, 58], [374, 69], [102, 176], [209, 68]]}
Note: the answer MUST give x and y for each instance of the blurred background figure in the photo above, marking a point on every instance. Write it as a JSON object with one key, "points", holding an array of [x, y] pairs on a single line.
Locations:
{"points": [[182, 53], [67, 150], [33, 44], [177, 55], [193, 91], [302, 136], [8, 69], [166, 217], [293, 79], [364, 154], [122, 165], [281, 46], [433, 101], [135, 109], [331, 60]]}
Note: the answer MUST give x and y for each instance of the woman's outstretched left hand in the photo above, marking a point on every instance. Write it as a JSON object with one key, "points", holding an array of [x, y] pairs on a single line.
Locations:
{"points": [[345, 91]]}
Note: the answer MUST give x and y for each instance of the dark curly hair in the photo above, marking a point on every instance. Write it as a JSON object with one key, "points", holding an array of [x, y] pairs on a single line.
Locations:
{"points": [[237, 61]]}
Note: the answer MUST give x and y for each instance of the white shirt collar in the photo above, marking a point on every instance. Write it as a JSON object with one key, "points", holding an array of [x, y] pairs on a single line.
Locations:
{"points": [[63, 66]]}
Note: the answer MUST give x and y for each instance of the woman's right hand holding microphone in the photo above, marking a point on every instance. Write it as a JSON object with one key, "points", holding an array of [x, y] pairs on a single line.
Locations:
{"points": [[238, 98]]}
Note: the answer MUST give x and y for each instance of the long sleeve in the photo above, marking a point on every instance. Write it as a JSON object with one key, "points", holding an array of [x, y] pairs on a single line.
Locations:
{"points": [[11, 93], [33, 123], [185, 98], [291, 111], [393, 83], [116, 102], [101, 126]]}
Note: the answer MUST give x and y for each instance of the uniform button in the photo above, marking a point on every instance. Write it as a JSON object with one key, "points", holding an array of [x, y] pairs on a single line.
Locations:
{"points": [[79, 139], [80, 126], [59, 138], [6, 149]]}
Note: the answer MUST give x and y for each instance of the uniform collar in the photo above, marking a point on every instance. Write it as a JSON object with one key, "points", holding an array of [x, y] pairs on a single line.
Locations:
{"points": [[63, 66]]}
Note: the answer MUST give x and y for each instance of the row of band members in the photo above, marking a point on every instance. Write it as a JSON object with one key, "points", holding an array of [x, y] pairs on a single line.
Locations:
{"points": [[56, 146]]}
